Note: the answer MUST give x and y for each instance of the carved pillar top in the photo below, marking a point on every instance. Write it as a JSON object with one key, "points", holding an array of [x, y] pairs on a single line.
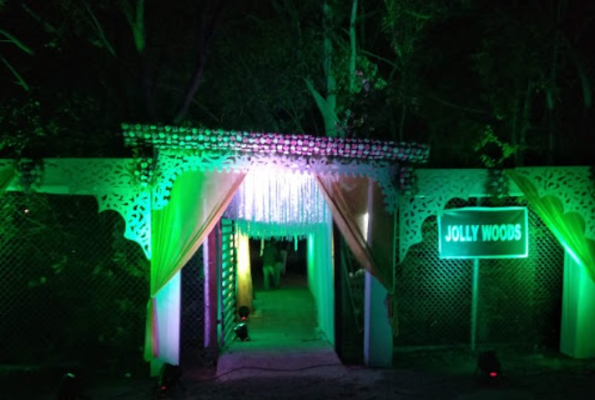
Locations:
{"points": [[573, 186]]}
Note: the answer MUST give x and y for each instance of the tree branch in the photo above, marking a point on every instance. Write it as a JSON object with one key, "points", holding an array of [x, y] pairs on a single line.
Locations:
{"points": [[458, 107], [206, 34], [12, 39], [136, 22], [100, 32], [46, 25], [20, 81]]}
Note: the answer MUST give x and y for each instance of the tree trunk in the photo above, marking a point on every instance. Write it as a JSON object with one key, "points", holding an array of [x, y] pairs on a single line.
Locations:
{"points": [[526, 123], [330, 122], [207, 29], [514, 139], [353, 42]]}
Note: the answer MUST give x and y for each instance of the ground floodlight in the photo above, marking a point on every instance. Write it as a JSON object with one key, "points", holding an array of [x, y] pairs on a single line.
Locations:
{"points": [[489, 365], [70, 388], [241, 331], [244, 312], [170, 378]]}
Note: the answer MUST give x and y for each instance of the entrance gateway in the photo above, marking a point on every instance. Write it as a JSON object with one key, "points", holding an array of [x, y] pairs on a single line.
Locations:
{"points": [[272, 185], [178, 169]]}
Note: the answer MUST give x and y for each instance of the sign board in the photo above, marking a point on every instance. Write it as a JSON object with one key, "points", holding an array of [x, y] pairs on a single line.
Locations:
{"points": [[484, 232]]}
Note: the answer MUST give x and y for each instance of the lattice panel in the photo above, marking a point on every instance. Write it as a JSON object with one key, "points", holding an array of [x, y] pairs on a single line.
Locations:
{"points": [[519, 299], [434, 295], [72, 289]]}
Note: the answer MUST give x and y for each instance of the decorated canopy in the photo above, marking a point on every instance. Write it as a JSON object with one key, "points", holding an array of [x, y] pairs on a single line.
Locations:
{"points": [[273, 185], [280, 195]]}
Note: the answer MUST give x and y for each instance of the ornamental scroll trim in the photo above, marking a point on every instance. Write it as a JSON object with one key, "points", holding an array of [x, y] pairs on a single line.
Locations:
{"points": [[439, 187], [115, 187], [172, 163], [573, 186], [270, 144]]}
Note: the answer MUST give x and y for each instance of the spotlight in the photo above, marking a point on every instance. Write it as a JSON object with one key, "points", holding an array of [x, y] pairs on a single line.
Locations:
{"points": [[241, 331], [70, 388], [489, 365], [170, 377], [244, 312]]}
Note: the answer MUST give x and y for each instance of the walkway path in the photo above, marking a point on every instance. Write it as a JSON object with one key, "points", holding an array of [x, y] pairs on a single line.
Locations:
{"points": [[283, 336]]}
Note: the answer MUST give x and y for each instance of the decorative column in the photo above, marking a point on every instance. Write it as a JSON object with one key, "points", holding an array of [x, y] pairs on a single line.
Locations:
{"points": [[577, 335], [168, 302], [378, 334]]}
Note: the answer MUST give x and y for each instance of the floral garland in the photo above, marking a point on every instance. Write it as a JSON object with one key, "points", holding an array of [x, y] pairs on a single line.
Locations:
{"points": [[494, 154]]}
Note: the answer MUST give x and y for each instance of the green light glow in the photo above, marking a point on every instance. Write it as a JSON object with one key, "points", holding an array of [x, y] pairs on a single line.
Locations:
{"points": [[569, 228]]}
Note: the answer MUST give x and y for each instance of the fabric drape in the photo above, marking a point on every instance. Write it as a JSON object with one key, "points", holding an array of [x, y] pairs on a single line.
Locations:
{"points": [[568, 228], [357, 207], [197, 201]]}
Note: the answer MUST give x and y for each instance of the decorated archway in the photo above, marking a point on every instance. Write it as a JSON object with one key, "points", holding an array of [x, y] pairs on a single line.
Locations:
{"points": [[354, 177]]}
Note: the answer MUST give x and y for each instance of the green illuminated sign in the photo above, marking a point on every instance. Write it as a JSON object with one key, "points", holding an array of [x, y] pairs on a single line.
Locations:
{"points": [[483, 232]]}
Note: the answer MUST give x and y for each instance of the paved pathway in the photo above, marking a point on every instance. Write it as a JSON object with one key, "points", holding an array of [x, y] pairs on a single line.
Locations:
{"points": [[283, 337]]}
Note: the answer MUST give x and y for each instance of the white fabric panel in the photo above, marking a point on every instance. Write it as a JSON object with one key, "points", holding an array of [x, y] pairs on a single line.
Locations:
{"points": [[321, 277], [312, 266], [168, 321], [577, 333]]}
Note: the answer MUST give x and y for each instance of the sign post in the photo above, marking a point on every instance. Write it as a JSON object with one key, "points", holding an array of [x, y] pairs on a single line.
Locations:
{"points": [[474, 302], [482, 232]]}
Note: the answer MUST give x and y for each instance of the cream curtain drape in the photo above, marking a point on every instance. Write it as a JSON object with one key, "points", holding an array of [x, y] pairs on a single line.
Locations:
{"points": [[358, 209]]}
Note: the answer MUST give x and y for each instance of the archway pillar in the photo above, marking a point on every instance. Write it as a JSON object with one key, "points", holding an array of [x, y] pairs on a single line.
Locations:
{"points": [[378, 334], [577, 333]]}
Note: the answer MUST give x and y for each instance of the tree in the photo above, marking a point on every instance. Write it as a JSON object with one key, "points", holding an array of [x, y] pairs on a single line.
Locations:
{"points": [[137, 60], [465, 69]]}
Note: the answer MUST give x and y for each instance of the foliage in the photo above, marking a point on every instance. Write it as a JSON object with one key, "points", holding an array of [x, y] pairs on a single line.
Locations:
{"points": [[492, 152], [426, 71]]}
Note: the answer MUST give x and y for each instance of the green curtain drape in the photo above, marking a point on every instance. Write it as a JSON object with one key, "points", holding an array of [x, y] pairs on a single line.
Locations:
{"points": [[568, 228], [197, 202], [349, 198], [7, 173]]}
